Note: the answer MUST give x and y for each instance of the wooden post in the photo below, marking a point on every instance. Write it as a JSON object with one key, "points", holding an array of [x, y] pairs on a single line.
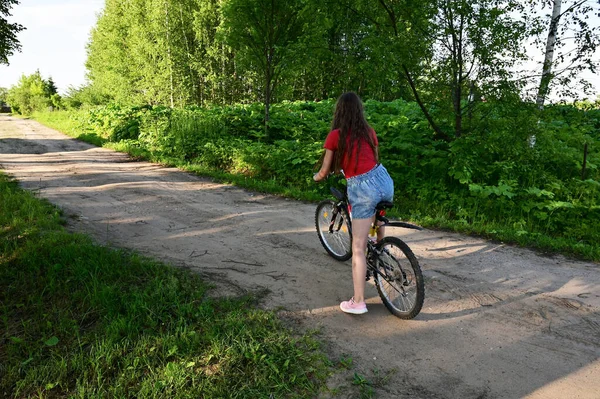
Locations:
{"points": [[585, 150]]}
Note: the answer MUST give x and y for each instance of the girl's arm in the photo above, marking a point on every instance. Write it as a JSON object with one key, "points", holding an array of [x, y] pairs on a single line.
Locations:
{"points": [[325, 166]]}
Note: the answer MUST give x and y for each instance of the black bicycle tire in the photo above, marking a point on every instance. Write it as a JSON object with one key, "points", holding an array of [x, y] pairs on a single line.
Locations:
{"points": [[418, 277], [322, 235]]}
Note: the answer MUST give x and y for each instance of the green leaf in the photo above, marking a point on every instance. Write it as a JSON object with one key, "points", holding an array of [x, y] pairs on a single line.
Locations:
{"points": [[26, 362], [51, 342]]}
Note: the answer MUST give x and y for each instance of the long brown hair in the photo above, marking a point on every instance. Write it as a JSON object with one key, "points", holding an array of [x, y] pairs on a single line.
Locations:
{"points": [[349, 117]]}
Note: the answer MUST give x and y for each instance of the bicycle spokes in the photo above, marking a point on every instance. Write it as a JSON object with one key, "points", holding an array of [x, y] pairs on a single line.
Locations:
{"points": [[333, 228], [398, 278], [393, 268], [336, 217]]}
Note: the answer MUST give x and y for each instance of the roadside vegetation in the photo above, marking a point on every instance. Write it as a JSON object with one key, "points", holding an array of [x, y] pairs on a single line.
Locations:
{"points": [[466, 130], [82, 320], [216, 88], [494, 182]]}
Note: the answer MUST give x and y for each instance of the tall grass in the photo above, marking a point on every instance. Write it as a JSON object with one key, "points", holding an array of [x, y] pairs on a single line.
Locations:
{"points": [[82, 320], [489, 182]]}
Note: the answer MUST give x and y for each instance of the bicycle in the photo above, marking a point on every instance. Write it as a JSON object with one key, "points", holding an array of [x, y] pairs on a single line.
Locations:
{"points": [[390, 262]]}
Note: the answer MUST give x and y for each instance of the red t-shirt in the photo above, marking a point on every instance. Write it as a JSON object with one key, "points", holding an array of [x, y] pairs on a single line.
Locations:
{"points": [[366, 157]]}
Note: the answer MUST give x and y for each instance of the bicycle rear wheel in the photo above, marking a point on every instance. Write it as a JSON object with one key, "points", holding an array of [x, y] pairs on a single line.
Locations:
{"points": [[398, 278], [333, 227]]}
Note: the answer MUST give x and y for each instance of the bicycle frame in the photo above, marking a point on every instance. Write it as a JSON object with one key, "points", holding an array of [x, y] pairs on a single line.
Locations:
{"points": [[379, 216], [397, 274]]}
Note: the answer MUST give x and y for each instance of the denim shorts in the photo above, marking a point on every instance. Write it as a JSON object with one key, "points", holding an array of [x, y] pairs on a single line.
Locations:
{"points": [[367, 190]]}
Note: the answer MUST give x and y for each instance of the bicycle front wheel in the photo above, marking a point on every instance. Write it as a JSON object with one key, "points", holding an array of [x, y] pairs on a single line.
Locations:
{"points": [[398, 278], [333, 227]]}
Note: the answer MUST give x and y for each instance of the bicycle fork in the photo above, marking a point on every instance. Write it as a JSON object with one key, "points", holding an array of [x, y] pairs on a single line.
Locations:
{"points": [[334, 217]]}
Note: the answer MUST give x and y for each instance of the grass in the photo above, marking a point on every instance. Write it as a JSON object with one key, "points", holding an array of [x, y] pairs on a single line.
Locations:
{"points": [[524, 235], [82, 320], [431, 215], [67, 125]]}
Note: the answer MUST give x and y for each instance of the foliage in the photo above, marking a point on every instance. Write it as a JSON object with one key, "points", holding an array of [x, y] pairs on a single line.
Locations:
{"points": [[33, 93], [85, 95], [264, 32], [491, 181], [189, 52], [8, 32], [569, 48], [3, 95], [77, 317], [448, 56], [477, 45], [161, 52]]}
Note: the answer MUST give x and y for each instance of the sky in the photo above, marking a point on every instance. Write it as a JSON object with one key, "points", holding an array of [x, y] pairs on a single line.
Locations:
{"points": [[56, 37], [54, 41]]}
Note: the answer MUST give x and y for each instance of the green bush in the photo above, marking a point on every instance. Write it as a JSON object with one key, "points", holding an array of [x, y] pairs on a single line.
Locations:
{"points": [[490, 176]]}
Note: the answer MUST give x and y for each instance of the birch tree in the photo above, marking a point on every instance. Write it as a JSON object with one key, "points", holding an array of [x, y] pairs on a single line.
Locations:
{"points": [[109, 61], [8, 32], [570, 47], [450, 49]]}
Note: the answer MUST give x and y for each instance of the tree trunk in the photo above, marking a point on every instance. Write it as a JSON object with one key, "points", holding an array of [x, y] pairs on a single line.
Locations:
{"points": [[459, 79], [549, 56], [585, 153], [438, 133], [169, 59], [190, 56], [268, 78]]}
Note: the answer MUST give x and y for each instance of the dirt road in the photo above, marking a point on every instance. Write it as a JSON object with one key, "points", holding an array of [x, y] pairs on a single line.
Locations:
{"points": [[498, 322]]}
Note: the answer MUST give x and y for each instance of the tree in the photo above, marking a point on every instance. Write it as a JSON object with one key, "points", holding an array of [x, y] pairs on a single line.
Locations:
{"points": [[450, 52], [219, 78], [569, 26], [86, 94], [3, 95], [32, 93], [8, 32], [341, 50], [477, 44], [160, 52], [412, 39], [109, 63], [264, 33]]}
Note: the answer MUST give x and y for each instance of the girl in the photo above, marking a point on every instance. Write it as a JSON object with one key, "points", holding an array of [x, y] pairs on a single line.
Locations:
{"points": [[352, 148]]}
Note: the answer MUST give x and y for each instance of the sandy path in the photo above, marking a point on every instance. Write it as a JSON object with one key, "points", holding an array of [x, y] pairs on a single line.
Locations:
{"points": [[498, 322]]}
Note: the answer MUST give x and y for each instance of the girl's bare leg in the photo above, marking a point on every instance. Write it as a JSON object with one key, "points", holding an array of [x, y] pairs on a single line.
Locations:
{"points": [[360, 233]]}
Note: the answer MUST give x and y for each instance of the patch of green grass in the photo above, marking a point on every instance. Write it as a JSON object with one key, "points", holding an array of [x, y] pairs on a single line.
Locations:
{"points": [[439, 214], [78, 319], [365, 386], [271, 186], [66, 122], [524, 236]]}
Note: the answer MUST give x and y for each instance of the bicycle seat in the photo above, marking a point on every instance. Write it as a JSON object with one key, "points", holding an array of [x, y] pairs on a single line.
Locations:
{"points": [[384, 205]]}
